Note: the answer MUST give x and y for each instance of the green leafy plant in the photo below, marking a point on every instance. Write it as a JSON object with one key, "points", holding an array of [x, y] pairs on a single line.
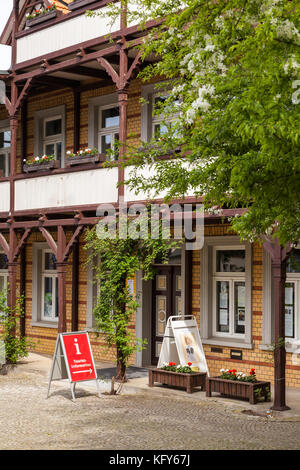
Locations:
{"points": [[16, 345], [120, 257]]}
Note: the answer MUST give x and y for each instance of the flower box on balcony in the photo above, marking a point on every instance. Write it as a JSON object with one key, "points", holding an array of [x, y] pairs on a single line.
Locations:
{"points": [[50, 165], [43, 17], [252, 391], [78, 4], [80, 160], [178, 379]]}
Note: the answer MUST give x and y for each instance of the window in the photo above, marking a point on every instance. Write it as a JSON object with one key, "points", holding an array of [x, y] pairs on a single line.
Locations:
{"points": [[3, 272], [292, 296], [160, 124], [49, 298], [229, 291], [49, 133], [225, 291], [52, 137], [5, 140], [154, 123], [108, 131]]}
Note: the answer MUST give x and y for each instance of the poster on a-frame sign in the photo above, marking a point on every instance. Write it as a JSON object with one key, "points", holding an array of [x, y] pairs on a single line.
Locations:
{"points": [[182, 344], [73, 360]]}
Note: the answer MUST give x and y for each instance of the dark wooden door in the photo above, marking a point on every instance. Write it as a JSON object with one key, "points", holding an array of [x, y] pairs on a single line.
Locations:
{"points": [[166, 302]]}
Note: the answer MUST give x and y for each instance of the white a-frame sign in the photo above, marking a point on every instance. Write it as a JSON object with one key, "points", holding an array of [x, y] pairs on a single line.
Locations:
{"points": [[73, 360], [182, 344]]}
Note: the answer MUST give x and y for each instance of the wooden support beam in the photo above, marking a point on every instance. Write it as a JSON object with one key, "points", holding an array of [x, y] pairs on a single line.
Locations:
{"points": [[73, 240], [21, 244], [4, 245], [50, 240], [110, 70]]}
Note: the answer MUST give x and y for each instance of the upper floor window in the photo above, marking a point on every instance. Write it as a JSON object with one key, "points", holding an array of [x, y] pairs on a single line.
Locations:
{"points": [[108, 129], [155, 120], [50, 133], [5, 141], [52, 137]]}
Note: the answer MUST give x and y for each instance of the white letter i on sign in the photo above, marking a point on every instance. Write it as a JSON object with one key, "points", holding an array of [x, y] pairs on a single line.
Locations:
{"points": [[76, 346]]}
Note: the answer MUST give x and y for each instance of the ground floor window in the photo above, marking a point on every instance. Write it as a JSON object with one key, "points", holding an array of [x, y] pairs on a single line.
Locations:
{"points": [[292, 296], [229, 290], [49, 287], [225, 291]]}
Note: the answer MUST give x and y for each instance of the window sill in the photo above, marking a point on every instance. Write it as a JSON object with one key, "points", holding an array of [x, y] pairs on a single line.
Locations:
{"points": [[45, 324], [229, 343], [293, 348]]}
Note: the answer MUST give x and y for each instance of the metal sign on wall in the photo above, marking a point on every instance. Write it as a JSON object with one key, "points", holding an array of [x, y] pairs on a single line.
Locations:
{"points": [[182, 344], [73, 360]]}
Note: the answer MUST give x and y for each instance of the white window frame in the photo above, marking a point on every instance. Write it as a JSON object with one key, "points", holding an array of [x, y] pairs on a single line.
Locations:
{"points": [[148, 118], [231, 277], [4, 127], [208, 277], [47, 273], [40, 141], [53, 139], [104, 131], [268, 306], [4, 274]]}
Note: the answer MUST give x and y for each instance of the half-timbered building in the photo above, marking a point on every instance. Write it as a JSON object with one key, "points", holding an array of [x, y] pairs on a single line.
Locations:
{"points": [[73, 85]]}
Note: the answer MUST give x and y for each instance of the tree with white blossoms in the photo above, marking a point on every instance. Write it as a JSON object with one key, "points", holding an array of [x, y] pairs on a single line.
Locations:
{"points": [[231, 70]]}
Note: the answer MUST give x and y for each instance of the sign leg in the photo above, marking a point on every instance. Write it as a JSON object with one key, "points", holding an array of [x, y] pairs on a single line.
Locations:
{"points": [[98, 388], [72, 385]]}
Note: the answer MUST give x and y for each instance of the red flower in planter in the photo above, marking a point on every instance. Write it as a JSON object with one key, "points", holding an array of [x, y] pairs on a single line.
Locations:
{"points": [[252, 372], [189, 363], [172, 363]]}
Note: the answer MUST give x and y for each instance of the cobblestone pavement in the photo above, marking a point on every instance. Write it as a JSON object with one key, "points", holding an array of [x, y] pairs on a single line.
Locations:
{"points": [[133, 421]]}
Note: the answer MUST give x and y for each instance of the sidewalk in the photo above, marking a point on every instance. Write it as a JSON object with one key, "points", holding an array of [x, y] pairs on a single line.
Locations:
{"points": [[138, 384]]}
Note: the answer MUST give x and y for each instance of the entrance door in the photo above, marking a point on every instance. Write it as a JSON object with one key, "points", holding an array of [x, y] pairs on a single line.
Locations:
{"points": [[166, 302]]}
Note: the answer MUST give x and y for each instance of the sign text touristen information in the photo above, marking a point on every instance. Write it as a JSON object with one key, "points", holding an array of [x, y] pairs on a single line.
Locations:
{"points": [[73, 360]]}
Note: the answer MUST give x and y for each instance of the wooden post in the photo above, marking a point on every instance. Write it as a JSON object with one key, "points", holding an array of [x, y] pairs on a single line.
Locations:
{"points": [[76, 142], [279, 279], [62, 313], [279, 256], [75, 279], [23, 133], [23, 287]]}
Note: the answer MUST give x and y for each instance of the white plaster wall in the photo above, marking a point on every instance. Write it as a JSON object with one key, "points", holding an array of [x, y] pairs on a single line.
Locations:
{"points": [[64, 34], [4, 196], [70, 189]]}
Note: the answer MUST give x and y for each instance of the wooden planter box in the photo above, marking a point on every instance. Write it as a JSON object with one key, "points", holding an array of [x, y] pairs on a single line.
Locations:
{"points": [[238, 389], [52, 165], [79, 4], [178, 379], [42, 18], [70, 161]]}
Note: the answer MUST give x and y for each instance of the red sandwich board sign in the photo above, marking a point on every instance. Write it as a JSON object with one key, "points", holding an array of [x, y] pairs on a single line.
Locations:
{"points": [[73, 360]]}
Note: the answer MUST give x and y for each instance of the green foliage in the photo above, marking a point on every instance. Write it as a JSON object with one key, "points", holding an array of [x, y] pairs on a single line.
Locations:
{"points": [[16, 346], [233, 66], [119, 260]]}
